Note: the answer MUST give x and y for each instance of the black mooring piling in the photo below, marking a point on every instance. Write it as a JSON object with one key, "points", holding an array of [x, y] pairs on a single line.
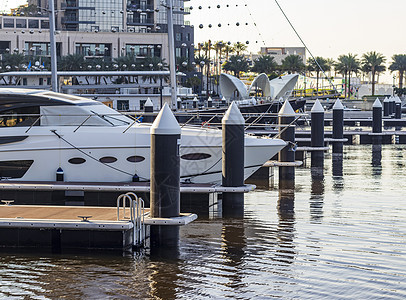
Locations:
{"points": [[377, 121], [179, 103], [317, 134], [286, 117], [233, 160], [392, 107], [386, 107], [165, 177], [148, 110], [338, 126], [195, 102], [398, 108], [210, 102]]}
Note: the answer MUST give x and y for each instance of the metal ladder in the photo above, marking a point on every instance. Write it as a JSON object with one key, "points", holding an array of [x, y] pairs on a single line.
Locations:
{"points": [[136, 217]]}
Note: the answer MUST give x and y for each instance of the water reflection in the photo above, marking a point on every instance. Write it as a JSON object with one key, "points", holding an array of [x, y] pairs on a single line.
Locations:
{"points": [[337, 170], [317, 194], [164, 278], [376, 160], [233, 247], [286, 225]]}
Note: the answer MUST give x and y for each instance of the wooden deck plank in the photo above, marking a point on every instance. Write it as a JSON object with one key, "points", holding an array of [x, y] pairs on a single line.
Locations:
{"points": [[60, 212]]}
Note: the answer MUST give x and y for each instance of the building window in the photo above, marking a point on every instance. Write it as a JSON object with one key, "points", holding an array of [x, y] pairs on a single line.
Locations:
{"points": [[178, 36], [123, 105], [178, 52], [25, 81], [44, 24], [33, 23], [37, 49], [143, 50], [21, 23], [8, 23], [93, 49], [41, 81], [188, 37]]}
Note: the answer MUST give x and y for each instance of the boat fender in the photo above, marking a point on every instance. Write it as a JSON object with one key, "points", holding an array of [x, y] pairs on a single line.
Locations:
{"points": [[59, 174], [136, 178]]}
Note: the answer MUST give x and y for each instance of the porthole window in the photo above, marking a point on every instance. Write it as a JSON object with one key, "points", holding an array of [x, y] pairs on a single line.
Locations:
{"points": [[77, 160], [108, 159], [195, 156], [135, 159]]}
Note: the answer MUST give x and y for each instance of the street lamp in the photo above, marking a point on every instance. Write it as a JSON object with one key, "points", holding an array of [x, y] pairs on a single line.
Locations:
{"points": [[202, 63], [393, 86]]}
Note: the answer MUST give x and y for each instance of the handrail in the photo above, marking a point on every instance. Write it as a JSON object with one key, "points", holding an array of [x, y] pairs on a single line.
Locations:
{"points": [[83, 123], [125, 197], [286, 126], [188, 121], [137, 218], [35, 122], [135, 121]]}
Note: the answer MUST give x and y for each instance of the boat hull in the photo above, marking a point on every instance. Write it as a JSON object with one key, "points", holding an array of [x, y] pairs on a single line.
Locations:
{"points": [[93, 154]]}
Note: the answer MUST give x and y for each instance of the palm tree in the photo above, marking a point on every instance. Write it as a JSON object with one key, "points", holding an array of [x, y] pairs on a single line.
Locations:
{"points": [[218, 47], [227, 50], [293, 64], [236, 64], [314, 65], [264, 64], [346, 65], [202, 60], [239, 47], [399, 64], [71, 62], [373, 62]]}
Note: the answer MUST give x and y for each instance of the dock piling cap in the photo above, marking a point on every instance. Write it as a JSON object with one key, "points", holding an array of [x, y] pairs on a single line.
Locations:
{"points": [[386, 99], [165, 122], [317, 107], [233, 116], [377, 103], [210, 99], [179, 100], [397, 100], [338, 105], [148, 103], [195, 99], [286, 110]]}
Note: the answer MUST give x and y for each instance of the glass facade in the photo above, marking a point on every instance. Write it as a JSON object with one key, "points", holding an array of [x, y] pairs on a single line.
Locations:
{"points": [[37, 49], [143, 50], [93, 49], [105, 14]]}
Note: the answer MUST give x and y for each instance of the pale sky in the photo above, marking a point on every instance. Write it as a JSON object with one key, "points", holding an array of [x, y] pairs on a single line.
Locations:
{"points": [[5, 5], [328, 27]]}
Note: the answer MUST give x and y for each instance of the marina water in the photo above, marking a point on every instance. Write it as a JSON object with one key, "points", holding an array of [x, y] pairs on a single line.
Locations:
{"points": [[340, 234]]}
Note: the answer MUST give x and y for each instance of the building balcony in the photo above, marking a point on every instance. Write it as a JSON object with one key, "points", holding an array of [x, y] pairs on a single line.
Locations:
{"points": [[70, 5], [70, 20], [137, 21], [140, 7]]}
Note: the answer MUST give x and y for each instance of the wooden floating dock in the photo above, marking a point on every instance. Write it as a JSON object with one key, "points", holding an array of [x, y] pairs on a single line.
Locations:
{"points": [[76, 227]]}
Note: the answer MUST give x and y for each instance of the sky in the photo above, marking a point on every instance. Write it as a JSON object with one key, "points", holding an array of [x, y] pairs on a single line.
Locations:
{"points": [[328, 27], [5, 5]]}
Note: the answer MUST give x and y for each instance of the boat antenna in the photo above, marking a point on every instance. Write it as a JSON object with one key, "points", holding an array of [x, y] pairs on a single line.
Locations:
{"points": [[308, 50], [54, 66]]}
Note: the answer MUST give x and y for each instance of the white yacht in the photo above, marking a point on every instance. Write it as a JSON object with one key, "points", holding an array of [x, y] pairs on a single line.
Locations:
{"points": [[43, 131]]}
